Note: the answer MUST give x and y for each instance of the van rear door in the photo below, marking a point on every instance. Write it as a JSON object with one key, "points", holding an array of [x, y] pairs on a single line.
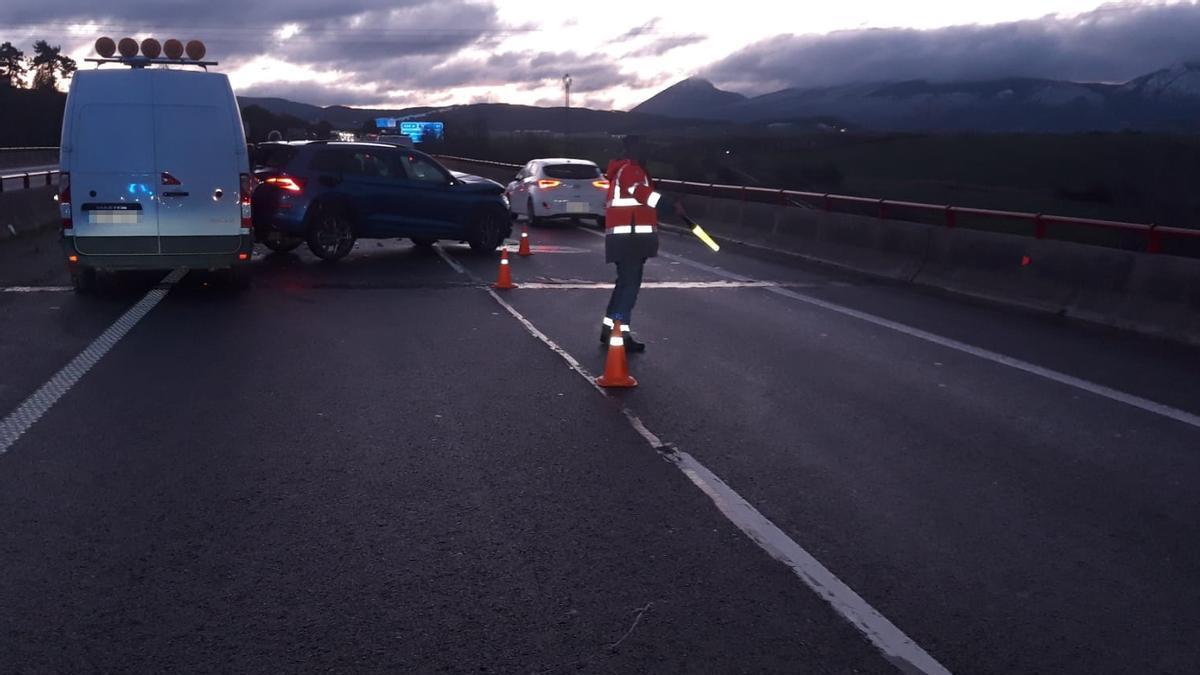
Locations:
{"points": [[113, 177], [200, 178], [200, 153]]}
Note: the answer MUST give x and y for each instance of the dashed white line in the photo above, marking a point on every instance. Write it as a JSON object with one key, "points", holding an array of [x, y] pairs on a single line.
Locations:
{"points": [[34, 289], [893, 643], [16, 423]]}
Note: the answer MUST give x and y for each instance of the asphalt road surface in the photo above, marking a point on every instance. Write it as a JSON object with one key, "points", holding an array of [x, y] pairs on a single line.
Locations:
{"points": [[381, 465]]}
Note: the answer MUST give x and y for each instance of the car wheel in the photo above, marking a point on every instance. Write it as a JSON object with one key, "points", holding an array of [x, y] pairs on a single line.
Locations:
{"points": [[83, 280], [331, 234], [489, 230], [531, 214], [282, 244], [423, 242]]}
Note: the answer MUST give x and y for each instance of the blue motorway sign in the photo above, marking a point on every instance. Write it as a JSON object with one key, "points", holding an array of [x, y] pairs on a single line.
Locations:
{"points": [[423, 131]]}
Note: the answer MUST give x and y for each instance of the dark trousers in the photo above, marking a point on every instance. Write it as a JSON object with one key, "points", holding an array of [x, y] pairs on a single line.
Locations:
{"points": [[624, 296]]}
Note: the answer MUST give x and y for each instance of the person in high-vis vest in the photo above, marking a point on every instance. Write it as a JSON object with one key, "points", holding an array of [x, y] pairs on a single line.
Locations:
{"points": [[631, 235]]}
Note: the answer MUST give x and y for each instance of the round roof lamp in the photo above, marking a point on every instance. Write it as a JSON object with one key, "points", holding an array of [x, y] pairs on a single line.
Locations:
{"points": [[173, 49], [150, 48], [195, 50], [105, 47], [127, 47]]}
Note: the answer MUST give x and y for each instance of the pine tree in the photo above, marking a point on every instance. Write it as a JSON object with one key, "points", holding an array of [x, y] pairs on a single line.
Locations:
{"points": [[12, 65], [49, 65]]}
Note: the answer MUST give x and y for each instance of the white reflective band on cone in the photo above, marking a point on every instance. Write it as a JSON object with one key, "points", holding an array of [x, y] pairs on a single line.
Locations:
{"points": [[621, 229], [524, 235], [643, 229], [503, 261], [616, 342], [653, 200]]}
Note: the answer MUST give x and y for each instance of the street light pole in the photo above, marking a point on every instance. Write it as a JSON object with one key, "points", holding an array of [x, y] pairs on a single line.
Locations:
{"points": [[567, 114]]}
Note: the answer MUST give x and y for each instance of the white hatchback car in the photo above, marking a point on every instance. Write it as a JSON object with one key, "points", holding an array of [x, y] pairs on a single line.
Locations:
{"points": [[558, 188]]}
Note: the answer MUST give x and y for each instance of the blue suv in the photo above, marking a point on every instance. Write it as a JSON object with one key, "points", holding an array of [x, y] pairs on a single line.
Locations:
{"points": [[330, 194]]}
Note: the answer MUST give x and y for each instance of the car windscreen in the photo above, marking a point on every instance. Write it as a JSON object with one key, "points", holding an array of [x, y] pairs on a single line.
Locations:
{"points": [[571, 171]]}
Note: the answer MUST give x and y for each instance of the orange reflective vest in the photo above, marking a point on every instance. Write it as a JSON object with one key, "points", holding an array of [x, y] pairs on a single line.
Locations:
{"points": [[630, 216]]}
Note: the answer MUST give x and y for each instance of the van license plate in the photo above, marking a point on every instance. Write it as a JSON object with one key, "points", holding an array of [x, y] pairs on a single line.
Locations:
{"points": [[113, 214]]}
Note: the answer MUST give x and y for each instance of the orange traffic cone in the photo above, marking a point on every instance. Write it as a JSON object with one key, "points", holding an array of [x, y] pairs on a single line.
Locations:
{"points": [[616, 368], [524, 251], [504, 278]]}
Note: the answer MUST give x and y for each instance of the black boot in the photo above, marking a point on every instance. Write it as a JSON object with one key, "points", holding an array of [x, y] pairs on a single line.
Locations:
{"points": [[605, 334], [633, 346]]}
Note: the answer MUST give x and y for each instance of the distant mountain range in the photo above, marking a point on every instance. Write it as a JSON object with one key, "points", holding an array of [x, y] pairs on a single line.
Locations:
{"points": [[1166, 100], [491, 116]]}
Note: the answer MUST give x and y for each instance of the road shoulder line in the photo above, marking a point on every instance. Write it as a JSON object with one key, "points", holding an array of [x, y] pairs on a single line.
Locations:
{"points": [[1109, 393]]}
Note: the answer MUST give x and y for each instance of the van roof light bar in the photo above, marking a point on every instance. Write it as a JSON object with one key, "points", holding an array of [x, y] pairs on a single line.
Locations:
{"points": [[152, 53]]}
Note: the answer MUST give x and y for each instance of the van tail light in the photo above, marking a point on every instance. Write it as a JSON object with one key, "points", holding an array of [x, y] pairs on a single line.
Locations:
{"points": [[64, 200], [602, 184], [168, 179], [285, 182], [547, 183], [246, 186]]}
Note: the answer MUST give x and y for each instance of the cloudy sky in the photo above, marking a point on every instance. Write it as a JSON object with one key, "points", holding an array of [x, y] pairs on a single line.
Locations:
{"points": [[399, 53]]}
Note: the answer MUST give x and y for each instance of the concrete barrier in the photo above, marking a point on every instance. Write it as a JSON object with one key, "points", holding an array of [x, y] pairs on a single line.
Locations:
{"points": [[25, 211]]}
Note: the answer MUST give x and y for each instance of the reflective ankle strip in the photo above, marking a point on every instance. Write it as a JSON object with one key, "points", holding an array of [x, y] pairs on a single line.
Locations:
{"points": [[621, 229], [643, 229], [608, 322]]}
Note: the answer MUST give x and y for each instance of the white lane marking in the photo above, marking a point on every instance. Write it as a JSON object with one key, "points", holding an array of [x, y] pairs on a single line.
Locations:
{"points": [[985, 354], [893, 643], [449, 261], [39, 403], [599, 285], [896, 646], [34, 289]]}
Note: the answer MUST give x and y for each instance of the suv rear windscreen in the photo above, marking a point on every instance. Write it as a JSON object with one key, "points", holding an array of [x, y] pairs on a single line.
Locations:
{"points": [[274, 156], [571, 171]]}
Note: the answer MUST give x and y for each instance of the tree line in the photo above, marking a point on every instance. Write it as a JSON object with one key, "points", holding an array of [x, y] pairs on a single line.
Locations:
{"points": [[48, 65]]}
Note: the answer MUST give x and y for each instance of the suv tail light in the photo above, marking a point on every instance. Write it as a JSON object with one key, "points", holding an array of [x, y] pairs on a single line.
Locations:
{"points": [[547, 183], [64, 200], [286, 182], [246, 187], [602, 184]]}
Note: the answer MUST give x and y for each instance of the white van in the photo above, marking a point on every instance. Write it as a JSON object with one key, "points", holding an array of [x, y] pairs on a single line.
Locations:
{"points": [[155, 173]]}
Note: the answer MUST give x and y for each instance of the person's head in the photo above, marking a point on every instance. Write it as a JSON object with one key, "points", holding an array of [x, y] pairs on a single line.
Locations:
{"points": [[633, 147], [274, 136]]}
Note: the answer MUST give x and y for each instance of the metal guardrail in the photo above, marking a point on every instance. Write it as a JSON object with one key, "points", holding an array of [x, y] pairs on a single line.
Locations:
{"points": [[27, 180], [948, 215]]}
